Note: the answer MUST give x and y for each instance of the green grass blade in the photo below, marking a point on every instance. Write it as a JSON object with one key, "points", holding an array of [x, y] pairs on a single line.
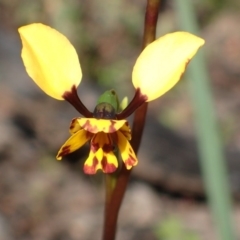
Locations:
{"points": [[210, 148]]}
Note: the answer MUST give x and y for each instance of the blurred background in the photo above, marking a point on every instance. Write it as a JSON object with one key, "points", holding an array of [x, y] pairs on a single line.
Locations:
{"points": [[44, 199]]}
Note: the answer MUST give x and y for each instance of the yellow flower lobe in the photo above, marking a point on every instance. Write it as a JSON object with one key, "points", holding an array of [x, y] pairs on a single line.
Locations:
{"points": [[50, 59], [162, 63]]}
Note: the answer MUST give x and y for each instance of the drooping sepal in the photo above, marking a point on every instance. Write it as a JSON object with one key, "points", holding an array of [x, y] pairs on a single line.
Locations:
{"points": [[127, 153], [77, 140]]}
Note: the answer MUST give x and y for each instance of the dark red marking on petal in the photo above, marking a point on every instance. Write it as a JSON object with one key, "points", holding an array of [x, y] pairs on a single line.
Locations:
{"points": [[131, 161], [187, 62], [112, 127], [126, 131], [107, 167], [65, 151], [114, 137], [73, 123], [87, 125], [72, 97], [91, 169], [94, 147], [108, 148], [136, 102]]}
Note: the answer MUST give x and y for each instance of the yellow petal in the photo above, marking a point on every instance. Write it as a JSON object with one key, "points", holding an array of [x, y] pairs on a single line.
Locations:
{"points": [[109, 162], [92, 164], [76, 141], [94, 125], [50, 59], [74, 126], [128, 156], [162, 63]]}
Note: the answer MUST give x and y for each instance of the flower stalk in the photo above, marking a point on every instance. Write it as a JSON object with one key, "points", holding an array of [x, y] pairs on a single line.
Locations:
{"points": [[114, 201]]}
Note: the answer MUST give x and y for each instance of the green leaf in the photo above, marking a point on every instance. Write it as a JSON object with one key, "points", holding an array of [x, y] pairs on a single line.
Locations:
{"points": [[110, 97]]}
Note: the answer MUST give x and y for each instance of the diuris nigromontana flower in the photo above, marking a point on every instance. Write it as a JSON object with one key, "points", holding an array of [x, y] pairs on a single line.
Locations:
{"points": [[53, 64]]}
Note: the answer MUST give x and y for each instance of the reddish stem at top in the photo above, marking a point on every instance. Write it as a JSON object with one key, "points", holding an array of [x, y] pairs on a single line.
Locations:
{"points": [[74, 100]]}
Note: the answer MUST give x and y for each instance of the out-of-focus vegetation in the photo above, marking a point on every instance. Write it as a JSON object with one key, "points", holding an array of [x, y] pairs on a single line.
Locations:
{"points": [[172, 229], [212, 159]]}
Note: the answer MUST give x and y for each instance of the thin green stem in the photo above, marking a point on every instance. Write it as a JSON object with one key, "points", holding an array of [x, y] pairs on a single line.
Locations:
{"points": [[112, 207], [210, 147]]}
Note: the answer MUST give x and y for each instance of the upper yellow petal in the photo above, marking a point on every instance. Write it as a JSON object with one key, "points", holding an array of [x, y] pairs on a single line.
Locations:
{"points": [[50, 59], [162, 63]]}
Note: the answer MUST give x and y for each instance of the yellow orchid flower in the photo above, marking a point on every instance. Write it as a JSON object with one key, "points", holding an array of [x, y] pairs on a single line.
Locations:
{"points": [[104, 135], [52, 62]]}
